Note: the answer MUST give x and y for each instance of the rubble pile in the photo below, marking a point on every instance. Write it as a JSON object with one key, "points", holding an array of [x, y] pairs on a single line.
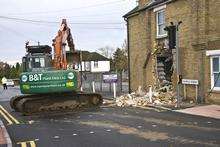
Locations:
{"points": [[131, 100], [162, 96]]}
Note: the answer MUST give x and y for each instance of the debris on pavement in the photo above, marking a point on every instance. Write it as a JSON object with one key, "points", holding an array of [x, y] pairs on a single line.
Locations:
{"points": [[160, 96]]}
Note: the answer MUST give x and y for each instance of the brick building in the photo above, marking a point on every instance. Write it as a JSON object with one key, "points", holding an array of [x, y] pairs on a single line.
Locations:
{"points": [[152, 62]]}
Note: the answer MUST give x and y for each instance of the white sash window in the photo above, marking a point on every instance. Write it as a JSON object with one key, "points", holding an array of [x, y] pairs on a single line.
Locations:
{"points": [[215, 72]]}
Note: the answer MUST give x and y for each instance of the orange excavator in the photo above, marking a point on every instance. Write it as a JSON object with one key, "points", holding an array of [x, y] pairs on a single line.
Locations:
{"points": [[46, 84]]}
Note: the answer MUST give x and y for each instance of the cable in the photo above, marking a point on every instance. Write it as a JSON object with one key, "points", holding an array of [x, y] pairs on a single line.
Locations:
{"points": [[88, 27], [27, 20], [95, 15], [18, 33], [56, 22], [65, 10], [105, 28]]}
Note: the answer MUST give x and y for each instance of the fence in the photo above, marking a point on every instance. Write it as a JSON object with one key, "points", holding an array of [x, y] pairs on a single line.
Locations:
{"points": [[94, 81]]}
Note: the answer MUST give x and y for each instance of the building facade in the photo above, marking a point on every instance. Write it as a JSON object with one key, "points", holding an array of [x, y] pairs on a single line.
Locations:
{"points": [[92, 62], [152, 62]]}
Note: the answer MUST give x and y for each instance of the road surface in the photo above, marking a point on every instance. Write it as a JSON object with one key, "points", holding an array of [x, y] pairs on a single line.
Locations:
{"points": [[109, 126]]}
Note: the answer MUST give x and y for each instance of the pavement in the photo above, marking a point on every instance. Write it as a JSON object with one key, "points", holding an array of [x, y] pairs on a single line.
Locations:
{"points": [[212, 111], [5, 140]]}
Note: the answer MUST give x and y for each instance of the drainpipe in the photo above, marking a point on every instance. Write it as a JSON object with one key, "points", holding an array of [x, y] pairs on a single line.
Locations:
{"points": [[128, 47], [178, 68]]}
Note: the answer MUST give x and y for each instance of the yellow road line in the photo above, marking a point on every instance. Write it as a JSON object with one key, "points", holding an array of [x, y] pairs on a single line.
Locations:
{"points": [[7, 119], [24, 144], [6, 112], [32, 143]]}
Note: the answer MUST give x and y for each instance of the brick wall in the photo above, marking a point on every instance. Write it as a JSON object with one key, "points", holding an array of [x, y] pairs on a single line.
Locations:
{"points": [[199, 32]]}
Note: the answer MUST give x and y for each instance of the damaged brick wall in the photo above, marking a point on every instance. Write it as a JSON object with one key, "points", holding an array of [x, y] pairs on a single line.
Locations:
{"points": [[198, 32], [163, 66]]}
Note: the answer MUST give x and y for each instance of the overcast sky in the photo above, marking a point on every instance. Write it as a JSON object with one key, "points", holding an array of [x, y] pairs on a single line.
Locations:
{"points": [[94, 23]]}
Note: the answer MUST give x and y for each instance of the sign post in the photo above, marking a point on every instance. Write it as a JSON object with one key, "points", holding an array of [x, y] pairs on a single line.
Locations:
{"points": [[190, 82], [114, 89], [93, 86], [111, 78]]}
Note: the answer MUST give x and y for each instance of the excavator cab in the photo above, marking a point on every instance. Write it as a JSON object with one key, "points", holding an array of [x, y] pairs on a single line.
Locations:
{"points": [[38, 58]]}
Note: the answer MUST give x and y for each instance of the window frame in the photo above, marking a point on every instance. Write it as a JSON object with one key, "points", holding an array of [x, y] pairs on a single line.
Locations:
{"points": [[157, 24], [212, 72], [96, 64], [87, 66]]}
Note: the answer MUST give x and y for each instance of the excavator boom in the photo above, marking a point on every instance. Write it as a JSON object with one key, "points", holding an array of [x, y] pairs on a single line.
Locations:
{"points": [[59, 43]]}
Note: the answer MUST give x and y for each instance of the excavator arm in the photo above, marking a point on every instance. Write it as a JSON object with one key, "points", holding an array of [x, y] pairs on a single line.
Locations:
{"points": [[59, 43]]}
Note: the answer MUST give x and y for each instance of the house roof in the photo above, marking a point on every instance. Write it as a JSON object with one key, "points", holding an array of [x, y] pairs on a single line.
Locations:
{"points": [[90, 56], [146, 6], [132, 11]]}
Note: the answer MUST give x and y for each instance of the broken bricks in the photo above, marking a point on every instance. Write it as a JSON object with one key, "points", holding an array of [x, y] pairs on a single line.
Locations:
{"points": [[161, 96]]}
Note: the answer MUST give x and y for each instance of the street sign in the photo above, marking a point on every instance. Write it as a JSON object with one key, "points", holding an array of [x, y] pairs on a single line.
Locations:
{"points": [[190, 82], [110, 78]]}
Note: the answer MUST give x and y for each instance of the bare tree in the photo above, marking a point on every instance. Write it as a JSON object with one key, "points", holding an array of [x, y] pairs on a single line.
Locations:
{"points": [[106, 51], [124, 47]]}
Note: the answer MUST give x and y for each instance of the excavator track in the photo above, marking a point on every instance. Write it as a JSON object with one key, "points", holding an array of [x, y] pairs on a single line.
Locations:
{"points": [[60, 102]]}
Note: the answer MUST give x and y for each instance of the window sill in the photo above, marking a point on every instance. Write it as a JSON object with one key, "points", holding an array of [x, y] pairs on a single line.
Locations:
{"points": [[161, 36], [216, 91]]}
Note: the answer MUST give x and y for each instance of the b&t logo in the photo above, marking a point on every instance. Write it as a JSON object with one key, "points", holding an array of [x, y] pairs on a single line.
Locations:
{"points": [[24, 78]]}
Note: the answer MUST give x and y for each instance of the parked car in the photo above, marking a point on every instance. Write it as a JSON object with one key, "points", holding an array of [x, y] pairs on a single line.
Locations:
{"points": [[10, 82]]}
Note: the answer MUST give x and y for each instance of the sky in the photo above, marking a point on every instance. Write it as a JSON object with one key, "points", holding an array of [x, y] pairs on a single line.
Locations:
{"points": [[94, 24]]}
